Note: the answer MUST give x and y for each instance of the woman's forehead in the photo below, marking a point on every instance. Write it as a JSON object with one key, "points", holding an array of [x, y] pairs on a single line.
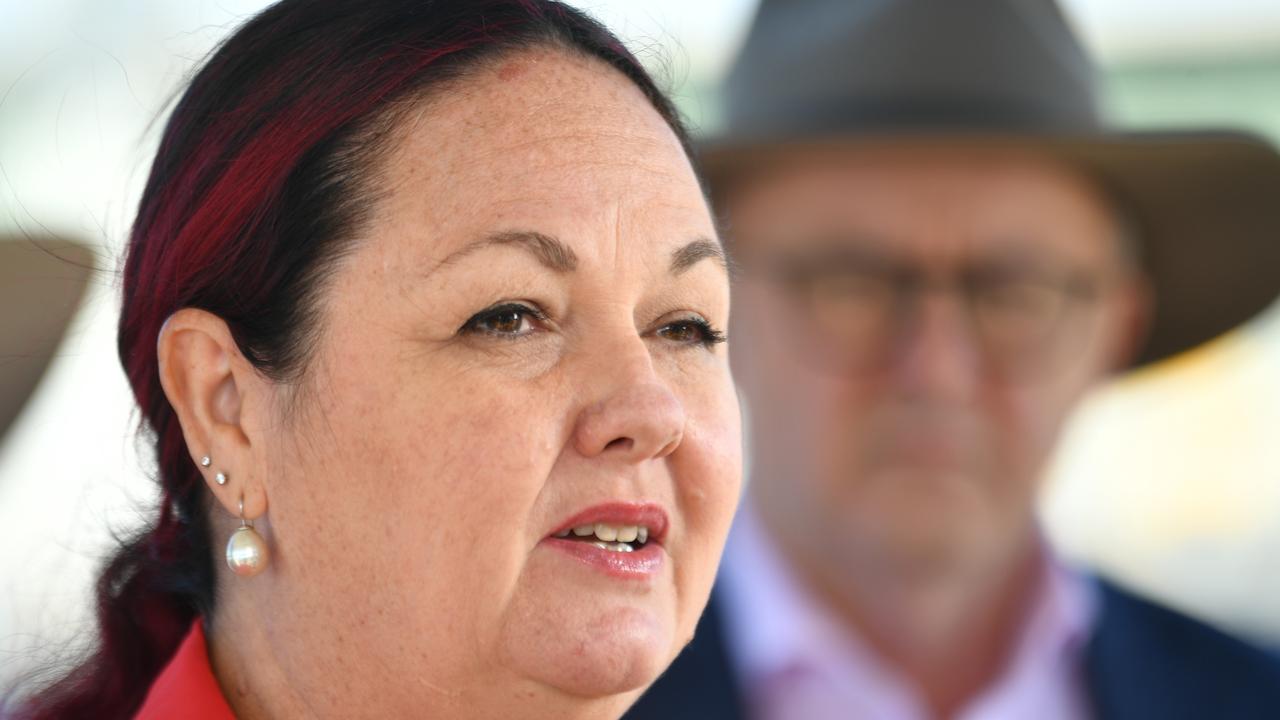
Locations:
{"points": [[550, 142], [536, 110]]}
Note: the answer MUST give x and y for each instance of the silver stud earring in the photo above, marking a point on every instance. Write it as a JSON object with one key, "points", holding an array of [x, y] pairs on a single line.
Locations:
{"points": [[206, 461], [221, 478], [246, 550]]}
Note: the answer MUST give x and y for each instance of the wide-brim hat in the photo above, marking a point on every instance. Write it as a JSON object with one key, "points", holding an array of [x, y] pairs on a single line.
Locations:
{"points": [[1204, 204], [42, 281]]}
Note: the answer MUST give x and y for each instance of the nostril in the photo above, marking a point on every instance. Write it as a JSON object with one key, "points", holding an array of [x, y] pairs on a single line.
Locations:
{"points": [[622, 443]]}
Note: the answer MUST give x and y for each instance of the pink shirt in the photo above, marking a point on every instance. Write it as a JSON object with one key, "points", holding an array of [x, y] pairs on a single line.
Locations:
{"points": [[797, 660]]}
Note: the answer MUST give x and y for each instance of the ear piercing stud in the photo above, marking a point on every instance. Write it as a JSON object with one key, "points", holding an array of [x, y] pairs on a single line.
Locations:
{"points": [[220, 477]]}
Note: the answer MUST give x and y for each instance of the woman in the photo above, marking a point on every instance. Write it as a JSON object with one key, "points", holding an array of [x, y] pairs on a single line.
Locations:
{"points": [[423, 308]]}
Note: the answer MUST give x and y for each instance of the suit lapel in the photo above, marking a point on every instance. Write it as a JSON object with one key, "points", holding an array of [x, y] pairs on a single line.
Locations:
{"points": [[1147, 661]]}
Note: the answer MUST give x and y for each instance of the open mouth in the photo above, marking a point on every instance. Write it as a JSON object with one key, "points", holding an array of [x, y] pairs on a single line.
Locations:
{"points": [[624, 540], [616, 538]]}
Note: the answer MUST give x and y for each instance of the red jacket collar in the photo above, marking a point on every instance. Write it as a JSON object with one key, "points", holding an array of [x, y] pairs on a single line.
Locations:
{"points": [[186, 687]]}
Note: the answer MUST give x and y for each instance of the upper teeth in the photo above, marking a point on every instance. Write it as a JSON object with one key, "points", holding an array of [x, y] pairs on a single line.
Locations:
{"points": [[610, 533]]}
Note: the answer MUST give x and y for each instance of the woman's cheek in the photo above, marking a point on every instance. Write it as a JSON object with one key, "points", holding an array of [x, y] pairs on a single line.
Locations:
{"points": [[719, 444], [709, 487]]}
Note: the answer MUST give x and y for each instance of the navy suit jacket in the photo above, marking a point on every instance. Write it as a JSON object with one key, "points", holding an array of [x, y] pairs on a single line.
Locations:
{"points": [[1142, 661]]}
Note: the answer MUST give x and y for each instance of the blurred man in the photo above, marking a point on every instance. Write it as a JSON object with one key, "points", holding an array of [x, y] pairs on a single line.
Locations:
{"points": [[942, 251]]}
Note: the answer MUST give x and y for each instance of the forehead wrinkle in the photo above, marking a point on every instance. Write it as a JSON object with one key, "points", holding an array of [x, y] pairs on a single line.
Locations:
{"points": [[617, 234]]}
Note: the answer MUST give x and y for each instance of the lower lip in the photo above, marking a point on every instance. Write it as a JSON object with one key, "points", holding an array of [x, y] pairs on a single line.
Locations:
{"points": [[639, 564]]}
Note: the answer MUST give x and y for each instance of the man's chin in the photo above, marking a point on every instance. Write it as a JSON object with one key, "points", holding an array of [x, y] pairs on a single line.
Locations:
{"points": [[918, 497], [929, 527]]}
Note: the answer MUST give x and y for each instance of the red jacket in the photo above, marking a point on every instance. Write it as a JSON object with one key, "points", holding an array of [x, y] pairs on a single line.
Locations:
{"points": [[186, 688]]}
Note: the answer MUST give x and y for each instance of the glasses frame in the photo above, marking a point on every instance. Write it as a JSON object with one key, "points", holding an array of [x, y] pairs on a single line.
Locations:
{"points": [[1038, 355]]}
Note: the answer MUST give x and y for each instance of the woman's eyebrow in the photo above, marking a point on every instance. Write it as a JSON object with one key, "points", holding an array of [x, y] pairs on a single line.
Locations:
{"points": [[560, 258], [549, 251], [689, 255]]}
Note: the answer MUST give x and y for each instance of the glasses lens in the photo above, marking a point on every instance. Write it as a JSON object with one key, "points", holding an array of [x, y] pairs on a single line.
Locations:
{"points": [[841, 307], [852, 312], [1020, 320]]}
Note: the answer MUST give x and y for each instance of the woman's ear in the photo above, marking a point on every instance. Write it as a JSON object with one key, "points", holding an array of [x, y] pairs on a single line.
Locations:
{"points": [[211, 386]]}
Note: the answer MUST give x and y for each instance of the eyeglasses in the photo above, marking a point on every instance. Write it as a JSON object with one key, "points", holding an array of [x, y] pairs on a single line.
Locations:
{"points": [[856, 309]]}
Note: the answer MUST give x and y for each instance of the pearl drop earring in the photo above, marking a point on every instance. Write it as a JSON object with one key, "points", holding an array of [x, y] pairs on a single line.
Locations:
{"points": [[246, 550]]}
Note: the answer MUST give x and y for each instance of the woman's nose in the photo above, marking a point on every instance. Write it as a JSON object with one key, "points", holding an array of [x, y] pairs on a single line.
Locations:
{"points": [[636, 418]]}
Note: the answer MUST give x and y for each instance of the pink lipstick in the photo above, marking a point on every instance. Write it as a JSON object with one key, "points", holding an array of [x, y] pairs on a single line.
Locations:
{"points": [[623, 540]]}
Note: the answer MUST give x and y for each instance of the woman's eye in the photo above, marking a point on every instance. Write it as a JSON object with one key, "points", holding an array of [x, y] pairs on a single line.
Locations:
{"points": [[506, 320], [691, 331]]}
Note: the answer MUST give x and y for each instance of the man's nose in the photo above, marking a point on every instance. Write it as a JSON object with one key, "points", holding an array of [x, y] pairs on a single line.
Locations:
{"points": [[936, 354]]}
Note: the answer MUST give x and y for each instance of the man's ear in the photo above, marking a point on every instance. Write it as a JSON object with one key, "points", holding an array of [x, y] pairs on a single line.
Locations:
{"points": [[211, 386], [1135, 301]]}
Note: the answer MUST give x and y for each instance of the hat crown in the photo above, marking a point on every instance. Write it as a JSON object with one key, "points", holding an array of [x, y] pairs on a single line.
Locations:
{"points": [[811, 67]]}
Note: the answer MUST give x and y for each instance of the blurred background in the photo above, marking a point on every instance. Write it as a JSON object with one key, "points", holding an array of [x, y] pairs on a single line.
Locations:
{"points": [[1169, 479]]}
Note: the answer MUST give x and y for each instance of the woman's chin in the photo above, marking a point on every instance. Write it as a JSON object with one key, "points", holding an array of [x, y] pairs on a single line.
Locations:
{"points": [[595, 654]]}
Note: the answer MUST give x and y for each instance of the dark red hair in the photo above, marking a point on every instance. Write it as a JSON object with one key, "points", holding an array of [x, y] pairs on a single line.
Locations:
{"points": [[263, 175]]}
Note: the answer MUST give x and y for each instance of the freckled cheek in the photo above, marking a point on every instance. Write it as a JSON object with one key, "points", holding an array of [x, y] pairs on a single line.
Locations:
{"points": [[471, 440], [455, 454], [447, 476]]}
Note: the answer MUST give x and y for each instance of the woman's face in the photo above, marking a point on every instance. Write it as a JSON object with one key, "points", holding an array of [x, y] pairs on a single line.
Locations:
{"points": [[521, 343]]}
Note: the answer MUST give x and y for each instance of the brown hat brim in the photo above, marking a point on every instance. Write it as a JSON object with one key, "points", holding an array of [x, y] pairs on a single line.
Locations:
{"points": [[42, 281], [1205, 207]]}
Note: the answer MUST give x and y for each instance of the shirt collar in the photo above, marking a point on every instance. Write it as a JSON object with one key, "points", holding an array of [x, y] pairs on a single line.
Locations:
{"points": [[775, 624], [776, 621]]}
